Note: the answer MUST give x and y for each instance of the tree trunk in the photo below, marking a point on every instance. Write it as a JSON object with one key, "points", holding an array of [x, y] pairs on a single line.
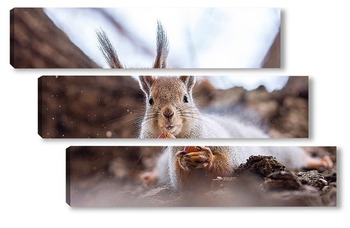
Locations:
{"points": [[273, 57], [36, 42]]}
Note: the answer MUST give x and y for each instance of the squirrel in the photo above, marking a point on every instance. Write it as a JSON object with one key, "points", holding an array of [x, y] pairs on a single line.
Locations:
{"points": [[170, 108]]}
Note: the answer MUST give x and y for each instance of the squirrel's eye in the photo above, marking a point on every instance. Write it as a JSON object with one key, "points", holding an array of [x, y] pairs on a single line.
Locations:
{"points": [[185, 99], [151, 101]]}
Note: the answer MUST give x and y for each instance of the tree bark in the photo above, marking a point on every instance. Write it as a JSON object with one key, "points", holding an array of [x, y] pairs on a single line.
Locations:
{"points": [[36, 42], [273, 57]]}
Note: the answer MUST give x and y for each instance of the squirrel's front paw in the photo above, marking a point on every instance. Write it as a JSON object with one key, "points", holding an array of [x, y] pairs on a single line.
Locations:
{"points": [[202, 158]]}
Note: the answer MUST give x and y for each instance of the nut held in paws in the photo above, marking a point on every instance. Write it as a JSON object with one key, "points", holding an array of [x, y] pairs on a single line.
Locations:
{"points": [[190, 149], [166, 135]]}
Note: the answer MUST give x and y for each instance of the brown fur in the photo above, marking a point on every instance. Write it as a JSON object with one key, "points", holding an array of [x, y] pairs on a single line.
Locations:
{"points": [[168, 108], [193, 175]]}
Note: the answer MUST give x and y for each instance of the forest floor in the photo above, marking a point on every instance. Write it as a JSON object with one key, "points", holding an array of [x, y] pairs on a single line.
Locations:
{"points": [[261, 181]]}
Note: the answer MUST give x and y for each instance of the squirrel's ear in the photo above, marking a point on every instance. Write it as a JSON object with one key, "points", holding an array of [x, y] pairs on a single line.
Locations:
{"points": [[108, 50], [162, 48], [146, 83], [189, 81]]}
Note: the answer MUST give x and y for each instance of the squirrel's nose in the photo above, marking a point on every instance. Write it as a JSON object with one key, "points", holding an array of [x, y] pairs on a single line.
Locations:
{"points": [[168, 113]]}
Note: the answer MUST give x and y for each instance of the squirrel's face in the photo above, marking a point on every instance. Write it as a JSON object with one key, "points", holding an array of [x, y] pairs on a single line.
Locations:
{"points": [[170, 105]]}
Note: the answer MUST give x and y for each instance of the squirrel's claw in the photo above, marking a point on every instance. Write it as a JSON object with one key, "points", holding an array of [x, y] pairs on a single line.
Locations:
{"points": [[201, 159]]}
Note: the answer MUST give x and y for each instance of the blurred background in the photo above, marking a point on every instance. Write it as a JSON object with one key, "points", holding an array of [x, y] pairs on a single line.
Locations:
{"points": [[198, 37]]}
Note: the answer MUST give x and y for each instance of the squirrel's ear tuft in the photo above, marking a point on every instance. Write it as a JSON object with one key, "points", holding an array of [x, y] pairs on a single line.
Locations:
{"points": [[162, 48], [189, 82], [108, 50], [146, 83]]}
